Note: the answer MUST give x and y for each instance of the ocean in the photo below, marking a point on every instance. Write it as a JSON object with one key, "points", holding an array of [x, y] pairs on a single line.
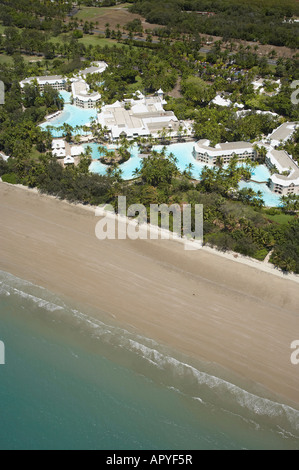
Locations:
{"points": [[72, 382]]}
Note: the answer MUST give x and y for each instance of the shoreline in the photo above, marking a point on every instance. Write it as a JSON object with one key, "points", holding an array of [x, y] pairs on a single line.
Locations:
{"points": [[230, 255], [196, 302]]}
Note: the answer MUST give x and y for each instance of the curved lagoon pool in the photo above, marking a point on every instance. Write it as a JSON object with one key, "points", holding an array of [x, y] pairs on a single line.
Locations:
{"points": [[73, 116], [183, 153]]}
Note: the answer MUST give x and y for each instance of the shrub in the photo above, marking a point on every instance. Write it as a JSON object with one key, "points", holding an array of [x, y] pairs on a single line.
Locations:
{"points": [[9, 178]]}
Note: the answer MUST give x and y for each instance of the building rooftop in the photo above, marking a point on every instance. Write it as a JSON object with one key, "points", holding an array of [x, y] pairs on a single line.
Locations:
{"points": [[283, 132], [42, 80], [284, 162], [80, 90], [142, 117], [97, 67], [222, 149]]}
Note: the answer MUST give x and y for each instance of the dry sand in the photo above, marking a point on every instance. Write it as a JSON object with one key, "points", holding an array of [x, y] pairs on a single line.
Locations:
{"points": [[197, 302]]}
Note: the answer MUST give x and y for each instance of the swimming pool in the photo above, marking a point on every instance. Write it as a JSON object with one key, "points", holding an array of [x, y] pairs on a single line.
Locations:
{"points": [[73, 116], [270, 199], [66, 96], [261, 174], [127, 167], [183, 153]]}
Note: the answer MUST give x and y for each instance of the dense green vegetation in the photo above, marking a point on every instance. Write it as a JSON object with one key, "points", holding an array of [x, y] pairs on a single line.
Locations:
{"points": [[233, 219], [251, 21]]}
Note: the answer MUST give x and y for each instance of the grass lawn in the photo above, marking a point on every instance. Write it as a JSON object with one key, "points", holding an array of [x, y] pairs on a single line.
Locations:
{"points": [[89, 40], [96, 40], [116, 15], [91, 13], [35, 154], [280, 218], [135, 86], [5, 59]]}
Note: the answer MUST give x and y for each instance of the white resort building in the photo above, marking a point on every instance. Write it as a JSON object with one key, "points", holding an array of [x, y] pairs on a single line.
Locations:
{"points": [[61, 149], [58, 148], [282, 134], [203, 152], [287, 180], [96, 67], [284, 182], [4, 157], [82, 97], [80, 89], [141, 117], [55, 81]]}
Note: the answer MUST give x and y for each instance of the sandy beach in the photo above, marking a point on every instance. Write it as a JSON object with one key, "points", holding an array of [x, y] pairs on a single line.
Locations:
{"points": [[204, 305]]}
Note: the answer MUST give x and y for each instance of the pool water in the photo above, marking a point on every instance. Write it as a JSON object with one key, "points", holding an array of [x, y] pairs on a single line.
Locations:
{"points": [[73, 116], [183, 154], [76, 117], [261, 174], [127, 167], [66, 96], [270, 199]]}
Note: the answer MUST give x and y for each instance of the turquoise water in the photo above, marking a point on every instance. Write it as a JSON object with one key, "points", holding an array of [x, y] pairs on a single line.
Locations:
{"points": [[66, 96], [261, 174], [270, 199], [73, 116], [73, 382], [127, 167], [183, 153]]}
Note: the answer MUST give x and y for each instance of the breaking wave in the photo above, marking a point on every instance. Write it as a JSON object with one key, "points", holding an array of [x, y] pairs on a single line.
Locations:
{"points": [[204, 388]]}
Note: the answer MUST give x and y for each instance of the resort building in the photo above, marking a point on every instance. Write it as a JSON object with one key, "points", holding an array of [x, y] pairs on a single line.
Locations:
{"points": [[69, 160], [4, 157], [96, 67], [282, 134], [223, 100], [76, 150], [203, 152], [260, 84], [62, 149], [80, 89], [141, 117], [82, 97], [287, 180], [55, 81], [58, 148]]}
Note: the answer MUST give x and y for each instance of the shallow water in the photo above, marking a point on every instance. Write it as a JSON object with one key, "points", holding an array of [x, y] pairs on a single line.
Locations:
{"points": [[73, 382]]}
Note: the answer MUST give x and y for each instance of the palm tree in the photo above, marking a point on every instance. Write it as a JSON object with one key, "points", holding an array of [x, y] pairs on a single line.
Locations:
{"points": [[136, 172], [219, 162], [189, 169]]}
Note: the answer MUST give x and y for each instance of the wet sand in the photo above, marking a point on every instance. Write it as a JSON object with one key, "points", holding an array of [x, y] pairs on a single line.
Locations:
{"points": [[197, 302]]}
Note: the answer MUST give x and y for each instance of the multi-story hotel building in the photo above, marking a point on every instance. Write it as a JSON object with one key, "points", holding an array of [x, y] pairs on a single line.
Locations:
{"points": [[203, 152], [55, 81]]}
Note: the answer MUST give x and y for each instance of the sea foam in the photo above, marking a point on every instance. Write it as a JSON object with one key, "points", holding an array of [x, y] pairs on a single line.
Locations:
{"points": [[209, 388]]}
